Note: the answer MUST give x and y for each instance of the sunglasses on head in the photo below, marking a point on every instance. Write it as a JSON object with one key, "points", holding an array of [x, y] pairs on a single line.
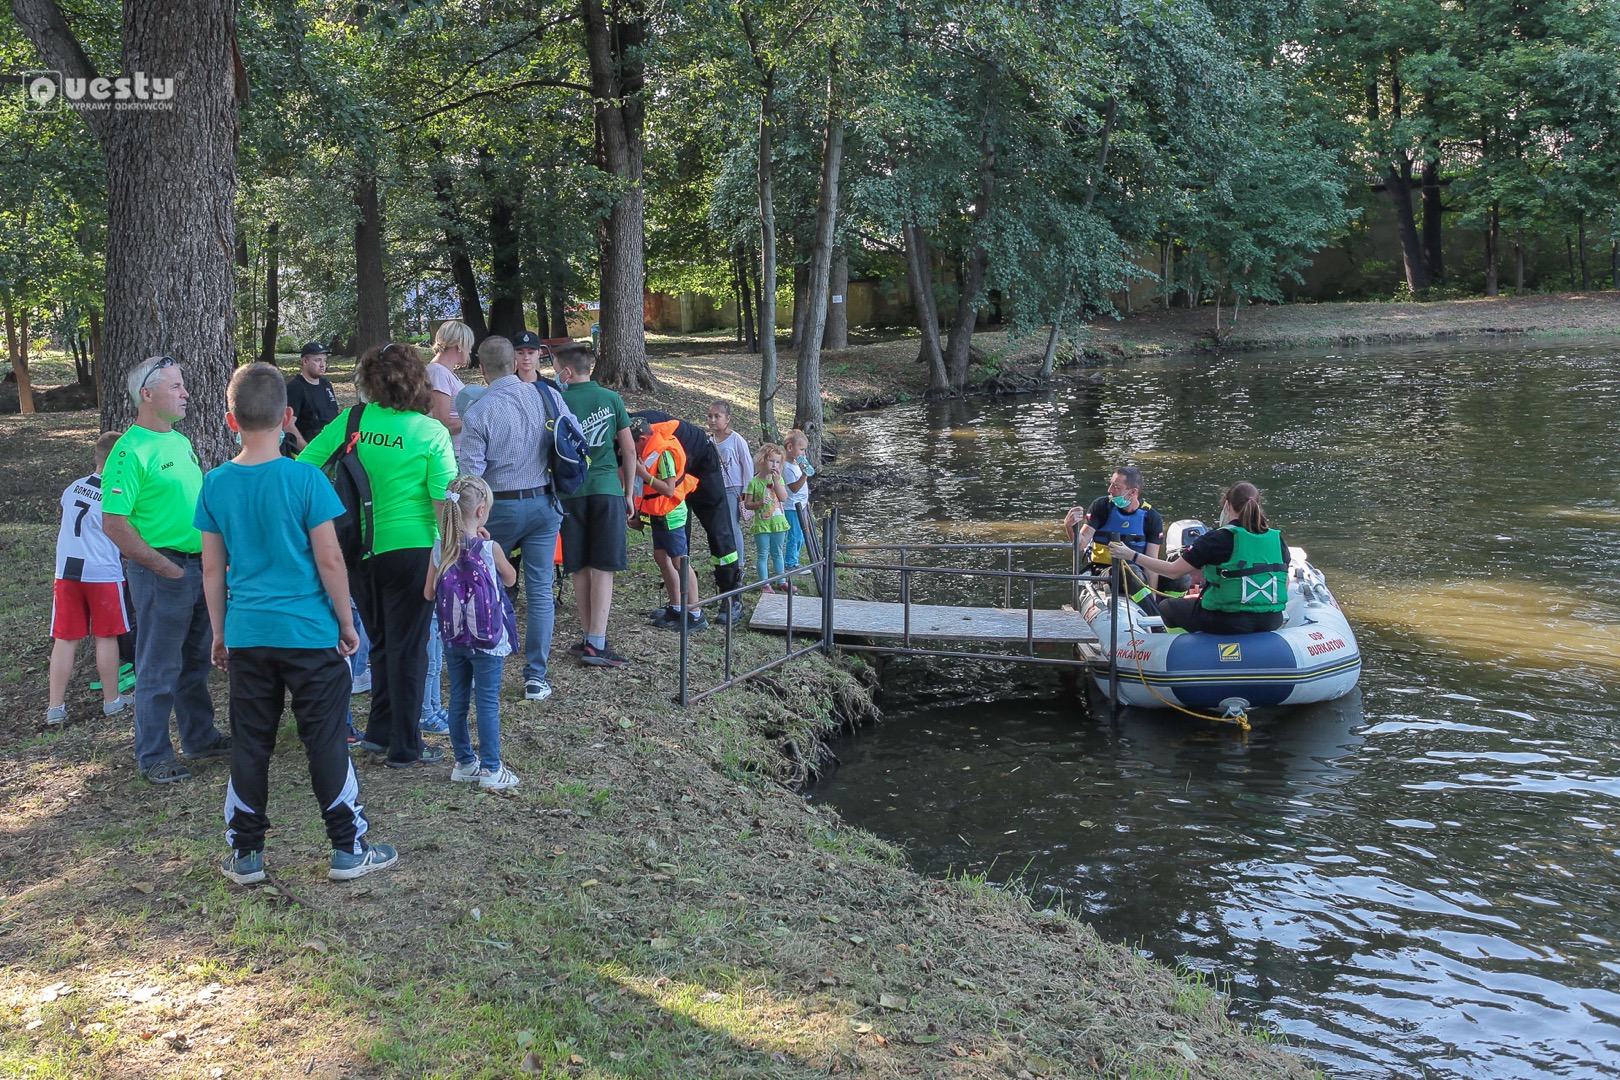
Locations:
{"points": [[163, 362]]}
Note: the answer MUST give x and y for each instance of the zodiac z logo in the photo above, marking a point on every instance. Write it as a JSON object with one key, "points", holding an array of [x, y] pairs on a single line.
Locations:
{"points": [[1231, 650]]}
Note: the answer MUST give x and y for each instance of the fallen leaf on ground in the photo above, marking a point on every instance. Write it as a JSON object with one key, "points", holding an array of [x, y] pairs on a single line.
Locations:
{"points": [[891, 1001], [142, 887]]}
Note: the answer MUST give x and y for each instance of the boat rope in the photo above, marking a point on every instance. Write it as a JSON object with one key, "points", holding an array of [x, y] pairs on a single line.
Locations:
{"points": [[1241, 720]]}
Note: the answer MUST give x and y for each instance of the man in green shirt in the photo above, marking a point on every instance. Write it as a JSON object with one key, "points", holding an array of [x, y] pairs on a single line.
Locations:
{"points": [[595, 516], [149, 500]]}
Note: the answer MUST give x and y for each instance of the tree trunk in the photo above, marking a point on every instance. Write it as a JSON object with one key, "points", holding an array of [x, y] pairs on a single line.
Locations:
{"points": [[1569, 260], [920, 273], [745, 301], [272, 292], [371, 287], [616, 51], [455, 242], [960, 342], [1398, 182], [559, 308], [506, 264], [837, 333], [1614, 264], [1433, 208], [171, 192], [1049, 358], [766, 300], [1493, 251], [1518, 262], [801, 284], [807, 413], [95, 352], [1580, 246], [17, 346]]}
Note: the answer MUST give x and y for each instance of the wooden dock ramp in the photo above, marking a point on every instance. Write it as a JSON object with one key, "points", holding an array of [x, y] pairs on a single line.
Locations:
{"points": [[877, 619]]}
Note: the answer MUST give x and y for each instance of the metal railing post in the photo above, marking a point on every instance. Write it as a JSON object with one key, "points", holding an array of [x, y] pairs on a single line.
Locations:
{"points": [[829, 545], [682, 568], [905, 601]]}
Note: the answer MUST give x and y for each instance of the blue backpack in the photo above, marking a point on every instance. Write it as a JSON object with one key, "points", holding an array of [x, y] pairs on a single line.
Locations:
{"points": [[473, 609], [569, 455]]}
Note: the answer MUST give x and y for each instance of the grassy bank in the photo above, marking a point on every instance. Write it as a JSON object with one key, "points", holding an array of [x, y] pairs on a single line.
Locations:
{"points": [[652, 901]]}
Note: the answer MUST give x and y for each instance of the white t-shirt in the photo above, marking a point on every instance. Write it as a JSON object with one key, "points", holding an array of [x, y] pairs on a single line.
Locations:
{"points": [[445, 382], [735, 462], [83, 552], [790, 476]]}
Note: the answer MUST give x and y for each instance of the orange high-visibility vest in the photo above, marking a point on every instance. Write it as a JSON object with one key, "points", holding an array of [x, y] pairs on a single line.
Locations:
{"points": [[661, 438]]}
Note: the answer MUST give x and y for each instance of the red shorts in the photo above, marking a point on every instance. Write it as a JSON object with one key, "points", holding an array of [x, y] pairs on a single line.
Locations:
{"points": [[88, 609]]}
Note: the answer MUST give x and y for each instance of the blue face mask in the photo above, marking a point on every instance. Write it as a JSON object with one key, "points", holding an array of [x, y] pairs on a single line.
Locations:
{"points": [[1121, 501]]}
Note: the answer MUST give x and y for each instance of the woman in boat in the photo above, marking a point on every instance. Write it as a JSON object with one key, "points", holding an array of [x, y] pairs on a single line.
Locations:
{"points": [[1245, 565]]}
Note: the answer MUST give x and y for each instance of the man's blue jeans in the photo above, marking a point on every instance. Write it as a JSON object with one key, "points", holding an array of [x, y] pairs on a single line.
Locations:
{"points": [[475, 683], [171, 662], [532, 524]]}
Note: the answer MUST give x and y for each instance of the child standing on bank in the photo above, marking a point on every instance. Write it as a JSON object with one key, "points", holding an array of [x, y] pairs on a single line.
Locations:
{"points": [[278, 599], [796, 474], [736, 463], [661, 468], [475, 616], [89, 592], [765, 495]]}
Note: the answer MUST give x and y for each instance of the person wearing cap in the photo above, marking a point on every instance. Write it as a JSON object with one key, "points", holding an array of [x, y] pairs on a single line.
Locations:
{"points": [[526, 352], [149, 499], [310, 396]]}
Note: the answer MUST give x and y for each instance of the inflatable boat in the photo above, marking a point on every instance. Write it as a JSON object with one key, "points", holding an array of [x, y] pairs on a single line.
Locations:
{"points": [[1312, 657]]}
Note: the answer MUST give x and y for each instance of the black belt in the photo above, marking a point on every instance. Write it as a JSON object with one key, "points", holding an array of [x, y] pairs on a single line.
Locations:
{"points": [[182, 556], [522, 493]]}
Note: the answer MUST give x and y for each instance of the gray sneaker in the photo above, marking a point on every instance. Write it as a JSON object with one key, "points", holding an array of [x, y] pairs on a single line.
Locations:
{"points": [[167, 771], [56, 715], [116, 705], [243, 867], [347, 866]]}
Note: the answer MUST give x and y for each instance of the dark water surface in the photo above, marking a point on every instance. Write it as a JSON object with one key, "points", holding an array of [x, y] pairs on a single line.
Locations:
{"points": [[1420, 880]]}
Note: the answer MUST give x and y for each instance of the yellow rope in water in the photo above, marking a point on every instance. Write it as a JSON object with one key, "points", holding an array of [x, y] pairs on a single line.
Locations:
{"points": [[1241, 720]]}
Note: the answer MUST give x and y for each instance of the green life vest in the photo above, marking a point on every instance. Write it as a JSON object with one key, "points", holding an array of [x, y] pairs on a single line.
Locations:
{"points": [[1254, 579]]}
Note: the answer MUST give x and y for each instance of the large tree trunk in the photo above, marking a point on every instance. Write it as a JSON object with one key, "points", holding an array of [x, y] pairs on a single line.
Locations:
{"points": [[837, 333], [745, 301], [1433, 209], [959, 344], [807, 415], [1518, 262], [766, 298], [801, 285], [558, 302], [17, 346], [96, 366], [506, 265], [1580, 246], [616, 51], [1398, 182], [272, 292], [371, 287], [171, 191], [920, 273], [1493, 251], [455, 242]]}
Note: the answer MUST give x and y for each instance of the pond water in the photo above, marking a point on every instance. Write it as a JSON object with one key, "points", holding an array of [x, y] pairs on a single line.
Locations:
{"points": [[1420, 880]]}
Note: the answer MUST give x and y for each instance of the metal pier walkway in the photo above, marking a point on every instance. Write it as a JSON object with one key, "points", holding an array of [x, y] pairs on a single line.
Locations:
{"points": [[878, 619]]}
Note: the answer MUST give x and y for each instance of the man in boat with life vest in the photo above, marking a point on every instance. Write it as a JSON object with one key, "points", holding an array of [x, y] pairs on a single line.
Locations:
{"points": [[1245, 565], [1121, 516], [707, 500]]}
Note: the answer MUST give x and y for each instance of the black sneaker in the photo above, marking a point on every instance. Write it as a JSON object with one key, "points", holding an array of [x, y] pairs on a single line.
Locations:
{"points": [[577, 649], [665, 618], [603, 657], [695, 621], [730, 612]]}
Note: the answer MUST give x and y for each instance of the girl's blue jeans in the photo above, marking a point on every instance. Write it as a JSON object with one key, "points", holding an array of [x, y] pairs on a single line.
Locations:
{"points": [[768, 551], [433, 691], [795, 538], [475, 683]]}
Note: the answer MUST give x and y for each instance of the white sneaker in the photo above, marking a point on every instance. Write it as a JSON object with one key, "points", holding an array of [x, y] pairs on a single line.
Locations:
{"points": [[497, 779], [116, 705], [466, 773], [362, 685], [536, 689]]}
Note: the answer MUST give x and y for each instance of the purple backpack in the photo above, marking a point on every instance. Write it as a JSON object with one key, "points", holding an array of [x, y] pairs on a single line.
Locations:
{"points": [[470, 603]]}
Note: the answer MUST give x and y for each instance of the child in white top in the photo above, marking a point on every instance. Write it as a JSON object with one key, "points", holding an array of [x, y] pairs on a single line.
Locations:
{"points": [[736, 463], [89, 592], [796, 474]]}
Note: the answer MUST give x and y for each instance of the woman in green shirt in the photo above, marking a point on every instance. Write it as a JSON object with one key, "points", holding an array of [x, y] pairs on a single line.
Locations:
{"points": [[406, 453]]}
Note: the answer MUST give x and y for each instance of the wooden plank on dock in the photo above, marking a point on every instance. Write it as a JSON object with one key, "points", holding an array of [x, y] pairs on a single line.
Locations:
{"points": [[876, 619]]}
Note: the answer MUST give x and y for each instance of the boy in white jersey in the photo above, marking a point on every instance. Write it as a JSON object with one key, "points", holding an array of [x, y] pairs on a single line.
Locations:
{"points": [[89, 599]]}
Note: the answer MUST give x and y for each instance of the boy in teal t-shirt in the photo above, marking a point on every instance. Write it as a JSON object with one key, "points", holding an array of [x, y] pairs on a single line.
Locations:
{"points": [[278, 599]]}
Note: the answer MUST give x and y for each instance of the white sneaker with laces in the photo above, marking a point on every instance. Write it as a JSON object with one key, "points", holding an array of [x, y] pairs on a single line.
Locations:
{"points": [[536, 689], [497, 779], [466, 773]]}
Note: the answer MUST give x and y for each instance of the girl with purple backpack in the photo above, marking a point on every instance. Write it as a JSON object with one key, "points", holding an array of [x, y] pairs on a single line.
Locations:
{"points": [[478, 626]]}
